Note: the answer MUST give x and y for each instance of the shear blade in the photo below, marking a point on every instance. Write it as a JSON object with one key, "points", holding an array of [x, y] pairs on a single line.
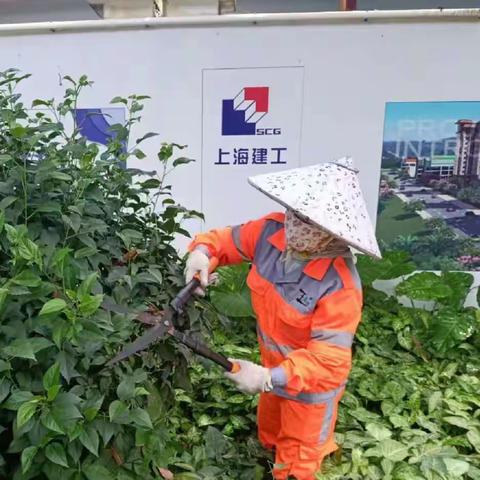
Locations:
{"points": [[141, 343]]}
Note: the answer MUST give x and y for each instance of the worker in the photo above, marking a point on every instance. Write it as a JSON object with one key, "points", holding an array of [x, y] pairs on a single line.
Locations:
{"points": [[307, 298]]}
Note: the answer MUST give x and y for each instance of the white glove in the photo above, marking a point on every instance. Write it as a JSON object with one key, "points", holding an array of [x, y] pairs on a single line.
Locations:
{"points": [[198, 262], [251, 378]]}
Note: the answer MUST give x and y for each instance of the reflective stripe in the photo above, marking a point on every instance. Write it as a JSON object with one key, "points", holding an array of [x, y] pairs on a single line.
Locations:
{"points": [[237, 241], [354, 272], [310, 398], [327, 420], [342, 339], [327, 398], [297, 288], [271, 344], [279, 377]]}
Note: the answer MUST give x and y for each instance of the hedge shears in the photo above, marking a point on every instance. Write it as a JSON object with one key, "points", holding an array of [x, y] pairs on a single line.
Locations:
{"points": [[164, 324]]}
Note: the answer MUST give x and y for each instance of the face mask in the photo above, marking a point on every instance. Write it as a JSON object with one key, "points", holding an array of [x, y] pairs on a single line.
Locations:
{"points": [[303, 237]]}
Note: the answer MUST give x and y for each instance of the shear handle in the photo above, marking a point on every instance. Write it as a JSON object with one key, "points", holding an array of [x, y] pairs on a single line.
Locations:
{"points": [[201, 349], [184, 295]]}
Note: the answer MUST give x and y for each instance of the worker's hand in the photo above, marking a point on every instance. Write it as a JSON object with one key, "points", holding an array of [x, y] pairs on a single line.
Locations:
{"points": [[198, 262], [213, 279], [251, 378]]}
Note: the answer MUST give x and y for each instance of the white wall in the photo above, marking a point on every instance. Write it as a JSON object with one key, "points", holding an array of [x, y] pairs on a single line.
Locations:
{"points": [[350, 71]]}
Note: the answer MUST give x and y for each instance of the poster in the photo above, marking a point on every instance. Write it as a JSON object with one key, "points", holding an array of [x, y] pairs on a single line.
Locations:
{"points": [[95, 123], [251, 124], [429, 202]]}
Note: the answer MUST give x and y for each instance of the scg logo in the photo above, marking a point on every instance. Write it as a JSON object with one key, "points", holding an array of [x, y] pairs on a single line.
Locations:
{"points": [[269, 131], [241, 114]]}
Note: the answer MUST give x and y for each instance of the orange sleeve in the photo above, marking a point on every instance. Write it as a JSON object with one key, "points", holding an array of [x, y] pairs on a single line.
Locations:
{"points": [[233, 245], [326, 361]]}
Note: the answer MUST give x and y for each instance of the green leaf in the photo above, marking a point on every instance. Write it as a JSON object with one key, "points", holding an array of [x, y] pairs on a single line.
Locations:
{"points": [[3, 296], [215, 444], [85, 252], [126, 389], [106, 430], [5, 386], [90, 304], [119, 100], [52, 424], [26, 347], [60, 176], [139, 154], [182, 161], [27, 457], [27, 278], [87, 285], [204, 420], [151, 183], [6, 202], [26, 412], [56, 454], [41, 103], [75, 450], [29, 251], [118, 412], [141, 418], [434, 401], [389, 449], [17, 131], [458, 422], [52, 376], [97, 472], [21, 348], [52, 392], [16, 399], [49, 207], [460, 284], [53, 306], [449, 328], [67, 365], [455, 467], [89, 439], [424, 286], [139, 391], [39, 343], [147, 135], [92, 406], [393, 265], [473, 437], [233, 304], [378, 432]]}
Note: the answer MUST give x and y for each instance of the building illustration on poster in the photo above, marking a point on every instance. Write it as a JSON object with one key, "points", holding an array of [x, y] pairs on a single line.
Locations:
{"points": [[429, 201]]}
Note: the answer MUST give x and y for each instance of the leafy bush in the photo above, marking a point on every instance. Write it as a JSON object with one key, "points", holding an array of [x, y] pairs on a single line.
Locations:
{"points": [[77, 228]]}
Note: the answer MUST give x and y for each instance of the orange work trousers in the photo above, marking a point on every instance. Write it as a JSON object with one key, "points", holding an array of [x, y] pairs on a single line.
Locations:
{"points": [[293, 430]]}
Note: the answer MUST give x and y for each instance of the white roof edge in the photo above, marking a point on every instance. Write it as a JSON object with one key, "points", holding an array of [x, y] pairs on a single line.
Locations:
{"points": [[354, 17]]}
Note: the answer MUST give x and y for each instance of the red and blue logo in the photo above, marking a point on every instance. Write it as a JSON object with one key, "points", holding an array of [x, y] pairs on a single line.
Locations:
{"points": [[241, 114]]}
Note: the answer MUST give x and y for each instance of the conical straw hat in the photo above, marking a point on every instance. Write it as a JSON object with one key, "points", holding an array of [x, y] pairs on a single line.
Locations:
{"points": [[328, 195]]}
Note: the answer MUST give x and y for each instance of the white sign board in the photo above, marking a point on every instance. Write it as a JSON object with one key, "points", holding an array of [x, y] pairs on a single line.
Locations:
{"points": [[251, 124]]}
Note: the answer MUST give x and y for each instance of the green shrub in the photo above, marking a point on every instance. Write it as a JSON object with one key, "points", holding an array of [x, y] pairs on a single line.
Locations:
{"points": [[77, 228]]}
